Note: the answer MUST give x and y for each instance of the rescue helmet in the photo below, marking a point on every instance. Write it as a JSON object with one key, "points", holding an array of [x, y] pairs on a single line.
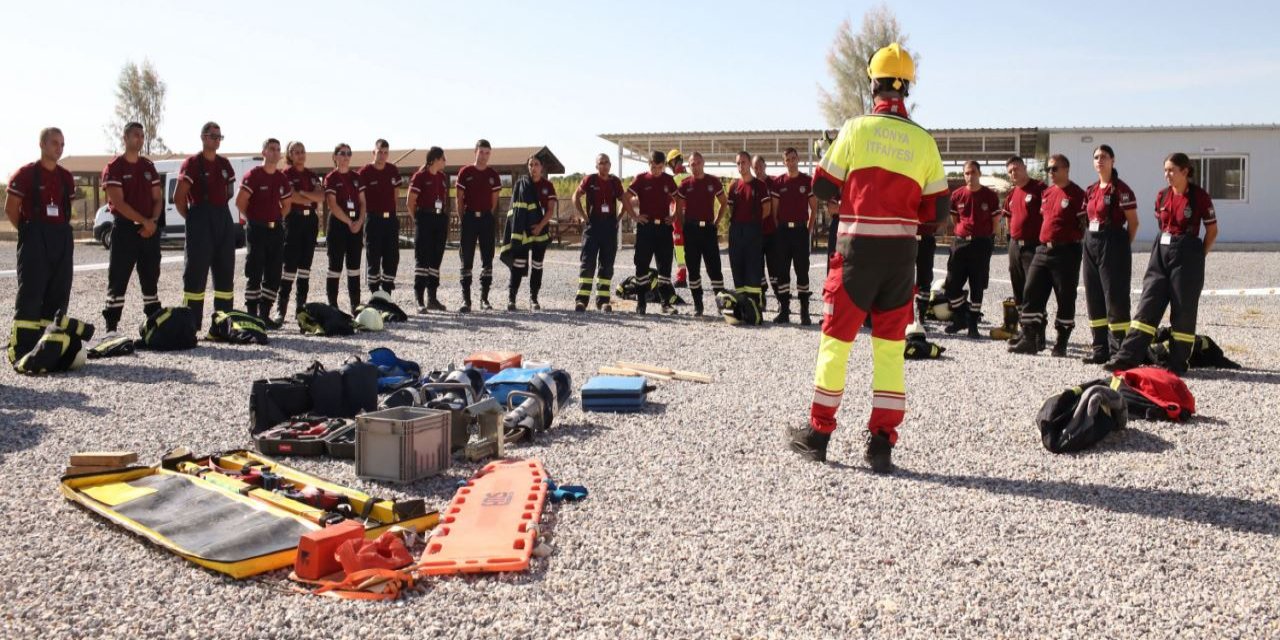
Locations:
{"points": [[915, 329], [893, 63], [369, 319], [941, 310], [82, 355], [674, 157]]}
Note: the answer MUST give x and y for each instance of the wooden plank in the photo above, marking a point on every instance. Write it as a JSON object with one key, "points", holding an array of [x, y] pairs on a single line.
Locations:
{"points": [[113, 459], [688, 376], [622, 371]]}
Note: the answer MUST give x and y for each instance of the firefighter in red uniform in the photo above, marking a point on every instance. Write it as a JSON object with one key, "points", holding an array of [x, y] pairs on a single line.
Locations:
{"points": [[205, 183], [797, 211], [1056, 267], [382, 228], [1113, 222], [135, 200], [428, 200], [264, 198], [39, 207], [1175, 273], [301, 227], [536, 206], [675, 160], [344, 195], [750, 205], [696, 201], [603, 192], [768, 226], [1022, 206], [478, 187], [649, 198], [890, 176], [974, 207]]}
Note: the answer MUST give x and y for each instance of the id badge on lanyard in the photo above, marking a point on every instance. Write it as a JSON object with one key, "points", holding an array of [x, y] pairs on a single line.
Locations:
{"points": [[1166, 238], [53, 211], [439, 205], [1094, 225], [351, 209]]}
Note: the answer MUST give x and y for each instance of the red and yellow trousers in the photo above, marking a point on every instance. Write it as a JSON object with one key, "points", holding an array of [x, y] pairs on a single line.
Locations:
{"points": [[867, 275]]}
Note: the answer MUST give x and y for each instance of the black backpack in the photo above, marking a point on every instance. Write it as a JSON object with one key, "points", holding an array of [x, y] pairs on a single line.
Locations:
{"points": [[274, 400], [57, 348], [390, 311], [1080, 417], [238, 327], [319, 319], [170, 329]]}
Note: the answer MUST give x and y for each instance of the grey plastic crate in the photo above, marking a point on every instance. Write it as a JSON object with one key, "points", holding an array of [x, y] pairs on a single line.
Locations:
{"points": [[402, 444]]}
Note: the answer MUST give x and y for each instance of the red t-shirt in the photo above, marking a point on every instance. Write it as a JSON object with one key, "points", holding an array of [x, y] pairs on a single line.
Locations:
{"points": [[1063, 208], [346, 189], [266, 192], [602, 195], [793, 197], [1023, 205], [303, 181], [135, 179], [55, 188], [219, 178], [546, 193], [1106, 206], [746, 200], [1184, 213], [654, 195], [432, 190], [699, 195], [478, 186], [974, 211], [380, 188]]}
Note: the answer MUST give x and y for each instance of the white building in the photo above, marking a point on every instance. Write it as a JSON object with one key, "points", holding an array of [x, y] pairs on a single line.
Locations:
{"points": [[1238, 164]]}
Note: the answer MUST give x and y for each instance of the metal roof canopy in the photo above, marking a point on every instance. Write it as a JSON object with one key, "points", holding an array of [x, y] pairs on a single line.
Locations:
{"points": [[720, 148], [504, 160]]}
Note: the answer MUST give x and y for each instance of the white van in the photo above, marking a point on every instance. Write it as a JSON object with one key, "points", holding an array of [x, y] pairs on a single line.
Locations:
{"points": [[174, 224]]}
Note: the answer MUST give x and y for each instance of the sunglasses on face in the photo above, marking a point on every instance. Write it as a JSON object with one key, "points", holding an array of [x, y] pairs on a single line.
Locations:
{"points": [[344, 154], [1053, 169], [213, 136]]}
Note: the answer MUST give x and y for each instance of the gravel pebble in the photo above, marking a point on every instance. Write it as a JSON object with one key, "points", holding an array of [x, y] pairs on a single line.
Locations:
{"points": [[699, 522]]}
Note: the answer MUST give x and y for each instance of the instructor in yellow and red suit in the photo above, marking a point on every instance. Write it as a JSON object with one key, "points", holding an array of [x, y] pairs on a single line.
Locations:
{"points": [[889, 175]]}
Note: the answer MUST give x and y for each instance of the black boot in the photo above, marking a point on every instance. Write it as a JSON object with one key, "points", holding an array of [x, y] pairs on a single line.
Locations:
{"points": [[808, 443], [417, 297], [1060, 345], [331, 291], [805, 320], [466, 301], [1100, 352], [484, 298], [642, 300], [959, 320], [353, 292], [974, 317], [433, 302], [1029, 340], [784, 310], [922, 309], [696, 294], [879, 453], [1179, 357]]}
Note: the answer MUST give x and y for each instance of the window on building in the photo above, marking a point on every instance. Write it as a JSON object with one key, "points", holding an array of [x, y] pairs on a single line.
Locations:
{"points": [[1224, 177]]}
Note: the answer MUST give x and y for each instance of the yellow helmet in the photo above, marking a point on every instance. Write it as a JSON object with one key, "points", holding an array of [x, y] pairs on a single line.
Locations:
{"points": [[673, 156], [892, 62]]}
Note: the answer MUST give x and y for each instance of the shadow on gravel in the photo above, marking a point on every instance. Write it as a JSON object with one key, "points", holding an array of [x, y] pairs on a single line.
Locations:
{"points": [[1252, 376], [139, 373], [237, 354], [1236, 514], [19, 432], [1132, 440]]}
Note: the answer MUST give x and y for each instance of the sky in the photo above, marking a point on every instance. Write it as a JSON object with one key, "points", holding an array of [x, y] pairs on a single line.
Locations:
{"points": [[560, 73]]}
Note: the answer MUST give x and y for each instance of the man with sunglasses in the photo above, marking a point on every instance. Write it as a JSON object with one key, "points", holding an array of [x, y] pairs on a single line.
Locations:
{"points": [[1022, 207], [264, 199], [382, 228], [478, 186], [205, 184], [1056, 266], [649, 198]]}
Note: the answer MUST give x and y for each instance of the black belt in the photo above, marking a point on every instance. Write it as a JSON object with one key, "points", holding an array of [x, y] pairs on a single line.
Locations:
{"points": [[479, 214], [381, 215], [430, 212], [264, 225], [1058, 245], [304, 212]]}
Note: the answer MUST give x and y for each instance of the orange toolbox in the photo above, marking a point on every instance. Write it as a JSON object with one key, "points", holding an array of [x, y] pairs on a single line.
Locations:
{"points": [[494, 361]]}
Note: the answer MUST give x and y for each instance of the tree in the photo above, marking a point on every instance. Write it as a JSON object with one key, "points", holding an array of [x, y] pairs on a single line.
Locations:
{"points": [[139, 98], [847, 62]]}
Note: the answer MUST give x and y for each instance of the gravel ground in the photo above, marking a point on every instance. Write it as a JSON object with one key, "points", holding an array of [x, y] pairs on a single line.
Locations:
{"points": [[699, 523]]}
